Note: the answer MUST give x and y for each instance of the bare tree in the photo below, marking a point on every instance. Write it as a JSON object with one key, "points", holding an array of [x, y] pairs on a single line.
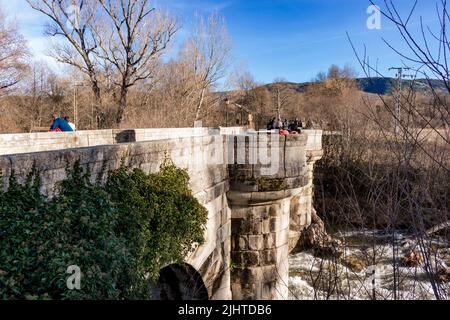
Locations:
{"points": [[131, 38], [177, 92], [430, 51], [13, 55], [207, 50], [71, 20], [37, 91], [241, 79], [282, 95], [247, 96], [407, 185]]}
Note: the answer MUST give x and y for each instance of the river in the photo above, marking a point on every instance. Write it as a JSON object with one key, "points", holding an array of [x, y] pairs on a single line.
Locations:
{"points": [[366, 270]]}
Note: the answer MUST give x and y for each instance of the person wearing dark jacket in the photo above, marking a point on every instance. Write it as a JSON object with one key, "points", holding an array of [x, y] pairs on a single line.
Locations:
{"points": [[271, 124], [293, 127], [60, 124]]}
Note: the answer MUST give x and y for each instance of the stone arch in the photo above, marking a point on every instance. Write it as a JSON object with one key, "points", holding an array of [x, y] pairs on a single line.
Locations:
{"points": [[180, 282]]}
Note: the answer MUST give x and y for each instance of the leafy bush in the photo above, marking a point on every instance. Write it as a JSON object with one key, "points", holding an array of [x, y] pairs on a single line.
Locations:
{"points": [[167, 220], [119, 234]]}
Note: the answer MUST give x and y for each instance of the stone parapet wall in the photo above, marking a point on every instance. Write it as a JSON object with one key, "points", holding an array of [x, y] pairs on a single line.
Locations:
{"points": [[48, 141], [314, 141], [286, 170], [38, 142]]}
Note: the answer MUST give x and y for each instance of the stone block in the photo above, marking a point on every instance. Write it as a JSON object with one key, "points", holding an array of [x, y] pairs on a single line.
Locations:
{"points": [[236, 225], [250, 258], [246, 276], [282, 238], [268, 257], [243, 243], [274, 224], [269, 291], [236, 291], [269, 241], [265, 226], [274, 209], [269, 273], [246, 226], [239, 213], [284, 221], [223, 294], [255, 242]]}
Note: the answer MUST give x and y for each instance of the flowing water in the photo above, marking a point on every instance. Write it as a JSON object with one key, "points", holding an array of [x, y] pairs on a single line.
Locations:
{"points": [[366, 270]]}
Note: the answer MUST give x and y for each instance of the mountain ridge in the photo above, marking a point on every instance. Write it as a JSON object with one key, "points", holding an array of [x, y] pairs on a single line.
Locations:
{"points": [[376, 85]]}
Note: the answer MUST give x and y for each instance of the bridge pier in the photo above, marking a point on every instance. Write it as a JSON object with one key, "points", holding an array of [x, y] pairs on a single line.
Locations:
{"points": [[268, 214], [260, 234]]}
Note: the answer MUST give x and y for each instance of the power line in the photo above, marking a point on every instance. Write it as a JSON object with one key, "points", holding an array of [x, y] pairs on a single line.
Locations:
{"points": [[400, 76]]}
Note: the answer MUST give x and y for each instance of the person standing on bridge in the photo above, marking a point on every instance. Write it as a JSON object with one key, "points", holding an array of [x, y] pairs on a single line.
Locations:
{"points": [[279, 124], [271, 124]]}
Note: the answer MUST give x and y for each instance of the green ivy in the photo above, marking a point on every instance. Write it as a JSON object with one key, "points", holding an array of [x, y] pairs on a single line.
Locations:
{"points": [[119, 234], [167, 219]]}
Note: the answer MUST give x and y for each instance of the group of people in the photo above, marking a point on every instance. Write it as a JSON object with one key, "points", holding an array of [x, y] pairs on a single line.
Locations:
{"points": [[62, 124], [286, 126]]}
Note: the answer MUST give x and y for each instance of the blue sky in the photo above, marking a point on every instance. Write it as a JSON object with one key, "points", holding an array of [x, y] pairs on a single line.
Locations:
{"points": [[290, 39]]}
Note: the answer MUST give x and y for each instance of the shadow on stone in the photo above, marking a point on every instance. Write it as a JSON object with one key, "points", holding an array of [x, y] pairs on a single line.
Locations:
{"points": [[180, 283], [126, 136]]}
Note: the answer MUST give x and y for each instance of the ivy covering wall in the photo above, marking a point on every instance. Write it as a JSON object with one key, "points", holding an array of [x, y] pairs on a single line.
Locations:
{"points": [[119, 233]]}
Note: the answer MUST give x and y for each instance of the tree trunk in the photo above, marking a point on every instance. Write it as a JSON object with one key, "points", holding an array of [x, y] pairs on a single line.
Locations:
{"points": [[122, 105], [97, 103], [278, 104], [199, 106]]}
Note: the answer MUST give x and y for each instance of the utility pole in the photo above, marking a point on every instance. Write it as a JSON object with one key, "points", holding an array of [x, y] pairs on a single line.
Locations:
{"points": [[75, 106], [227, 103], [400, 76], [75, 101]]}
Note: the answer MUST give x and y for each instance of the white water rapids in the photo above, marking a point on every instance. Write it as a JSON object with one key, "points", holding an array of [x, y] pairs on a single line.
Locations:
{"points": [[366, 270]]}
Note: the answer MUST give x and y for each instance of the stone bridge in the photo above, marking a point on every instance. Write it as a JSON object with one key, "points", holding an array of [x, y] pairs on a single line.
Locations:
{"points": [[257, 188]]}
